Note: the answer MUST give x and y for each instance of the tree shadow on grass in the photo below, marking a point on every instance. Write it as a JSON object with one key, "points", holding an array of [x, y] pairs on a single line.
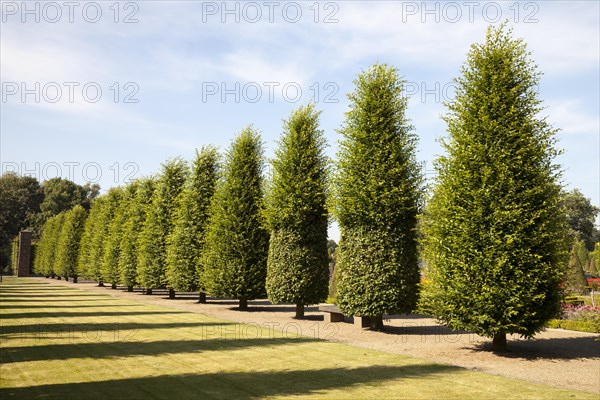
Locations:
{"points": [[45, 300], [97, 348], [66, 330], [584, 347], [53, 306], [415, 328], [52, 314], [232, 385], [49, 297]]}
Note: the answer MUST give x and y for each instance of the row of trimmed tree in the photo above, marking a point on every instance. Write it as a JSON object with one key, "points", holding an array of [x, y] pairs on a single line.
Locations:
{"points": [[206, 227], [493, 232]]}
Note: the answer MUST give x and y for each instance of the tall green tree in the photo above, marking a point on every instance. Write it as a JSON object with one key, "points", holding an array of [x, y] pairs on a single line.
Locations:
{"points": [[102, 213], [69, 242], [377, 198], [159, 224], [185, 243], [45, 263], [494, 231], [109, 265], [86, 249], [297, 265], [140, 197], [237, 242]]}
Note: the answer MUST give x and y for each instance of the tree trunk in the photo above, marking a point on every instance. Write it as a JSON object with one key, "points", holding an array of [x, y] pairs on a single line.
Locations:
{"points": [[58, 277], [171, 293], [67, 278], [243, 304], [130, 288], [148, 291], [113, 286], [75, 279], [376, 323], [202, 297], [499, 342], [299, 311], [101, 284]]}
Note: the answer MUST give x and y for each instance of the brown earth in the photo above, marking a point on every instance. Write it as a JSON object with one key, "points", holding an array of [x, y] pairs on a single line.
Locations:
{"points": [[556, 357]]}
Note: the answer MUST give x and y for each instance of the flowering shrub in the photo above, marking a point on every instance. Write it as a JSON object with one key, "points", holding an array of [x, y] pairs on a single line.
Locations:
{"points": [[580, 312], [579, 317]]}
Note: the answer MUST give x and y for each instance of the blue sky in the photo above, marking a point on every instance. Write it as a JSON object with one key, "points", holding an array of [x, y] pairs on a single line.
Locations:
{"points": [[106, 92]]}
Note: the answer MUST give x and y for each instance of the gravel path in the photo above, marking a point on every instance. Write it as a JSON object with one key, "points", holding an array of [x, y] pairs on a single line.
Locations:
{"points": [[556, 357]]}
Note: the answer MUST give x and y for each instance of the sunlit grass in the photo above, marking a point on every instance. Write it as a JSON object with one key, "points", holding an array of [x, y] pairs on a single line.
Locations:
{"points": [[64, 343]]}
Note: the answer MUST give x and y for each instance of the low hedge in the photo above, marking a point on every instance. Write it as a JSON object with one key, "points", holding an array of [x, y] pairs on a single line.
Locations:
{"points": [[581, 326]]}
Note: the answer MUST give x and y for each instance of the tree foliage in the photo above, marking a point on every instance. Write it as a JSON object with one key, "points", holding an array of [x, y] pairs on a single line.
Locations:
{"points": [[159, 224], [185, 243], [101, 212], [377, 198], [117, 200], [297, 266], [236, 246], [69, 242], [575, 281], [91, 227], [48, 246], [494, 232], [135, 217]]}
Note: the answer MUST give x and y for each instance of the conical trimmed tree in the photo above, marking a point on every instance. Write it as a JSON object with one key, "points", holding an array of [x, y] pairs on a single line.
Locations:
{"points": [[377, 198], [48, 247], [575, 281], [84, 260], [237, 242], [69, 242], [184, 244], [159, 224], [112, 243], [98, 238], [297, 265], [134, 221], [494, 230]]}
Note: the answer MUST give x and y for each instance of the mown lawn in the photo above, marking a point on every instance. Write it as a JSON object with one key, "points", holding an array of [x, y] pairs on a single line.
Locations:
{"points": [[65, 343]]}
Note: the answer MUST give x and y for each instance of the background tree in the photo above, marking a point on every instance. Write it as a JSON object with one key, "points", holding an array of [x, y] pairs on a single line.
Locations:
{"points": [[237, 243], [135, 217], [20, 197], [581, 216], [377, 201], [184, 244], [494, 232], [109, 264], [69, 242], [575, 281], [159, 224], [297, 265]]}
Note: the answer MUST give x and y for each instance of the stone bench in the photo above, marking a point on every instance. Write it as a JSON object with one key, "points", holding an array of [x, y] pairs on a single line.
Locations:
{"points": [[334, 314]]}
